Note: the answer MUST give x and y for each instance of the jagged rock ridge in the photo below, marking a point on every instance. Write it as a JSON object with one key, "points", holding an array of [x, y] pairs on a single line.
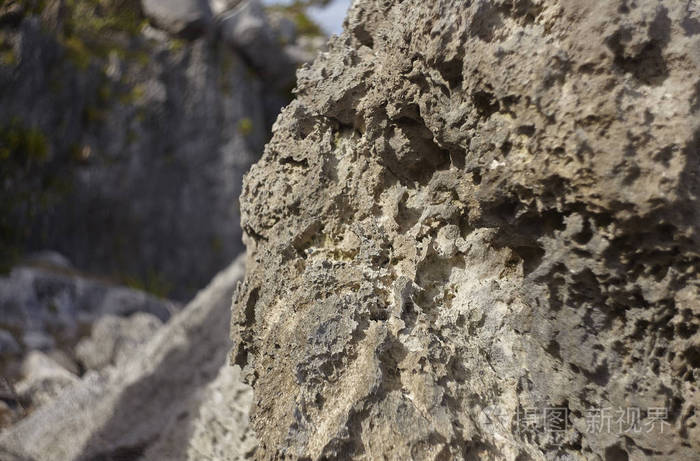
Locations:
{"points": [[472, 210]]}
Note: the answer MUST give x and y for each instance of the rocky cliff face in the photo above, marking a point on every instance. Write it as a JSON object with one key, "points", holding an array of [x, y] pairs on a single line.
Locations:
{"points": [[126, 127], [475, 232]]}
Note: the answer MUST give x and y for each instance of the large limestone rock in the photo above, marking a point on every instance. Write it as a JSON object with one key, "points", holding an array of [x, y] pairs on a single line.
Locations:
{"points": [[475, 213], [174, 398]]}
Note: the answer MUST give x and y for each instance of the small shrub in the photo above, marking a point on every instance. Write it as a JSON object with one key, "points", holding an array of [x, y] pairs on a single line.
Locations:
{"points": [[245, 126], [296, 11], [22, 144]]}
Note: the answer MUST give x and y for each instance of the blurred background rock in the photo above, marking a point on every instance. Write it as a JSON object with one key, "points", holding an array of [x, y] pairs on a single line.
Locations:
{"points": [[126, 126], [125, 129]]}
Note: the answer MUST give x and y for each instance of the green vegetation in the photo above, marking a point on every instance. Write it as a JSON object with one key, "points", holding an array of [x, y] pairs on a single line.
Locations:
{"points": [[135, 93], [297, 12], [22, 145], [30, 186], [177, 44], [31, 6], [226, 65], [245, 126], [92, 114], [8, 58], [7, 51], [153, 283], [305, 25], [23, 151], [104, 93], [94, 28], [36, 179], [95, 17]]}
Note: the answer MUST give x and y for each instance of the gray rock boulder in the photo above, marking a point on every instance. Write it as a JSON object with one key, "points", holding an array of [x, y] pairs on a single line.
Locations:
{"points": [[475, 235], [222, 6], [47, 309], [7, 416], [12, 408], [48, 260], [283, 26], [113, 339], [157, 403], [43, 379], [247, 29], [184, 18]]}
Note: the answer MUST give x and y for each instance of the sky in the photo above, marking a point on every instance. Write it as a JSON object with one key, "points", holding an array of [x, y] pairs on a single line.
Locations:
{"points": [[329, 18]]}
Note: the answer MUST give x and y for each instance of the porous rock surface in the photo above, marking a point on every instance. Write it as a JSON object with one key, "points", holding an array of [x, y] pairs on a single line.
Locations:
{"points": [[473, 210]]}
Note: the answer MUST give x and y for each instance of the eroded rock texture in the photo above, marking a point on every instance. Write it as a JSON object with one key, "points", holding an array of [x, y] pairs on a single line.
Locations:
{"points": [[473, 210]]}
